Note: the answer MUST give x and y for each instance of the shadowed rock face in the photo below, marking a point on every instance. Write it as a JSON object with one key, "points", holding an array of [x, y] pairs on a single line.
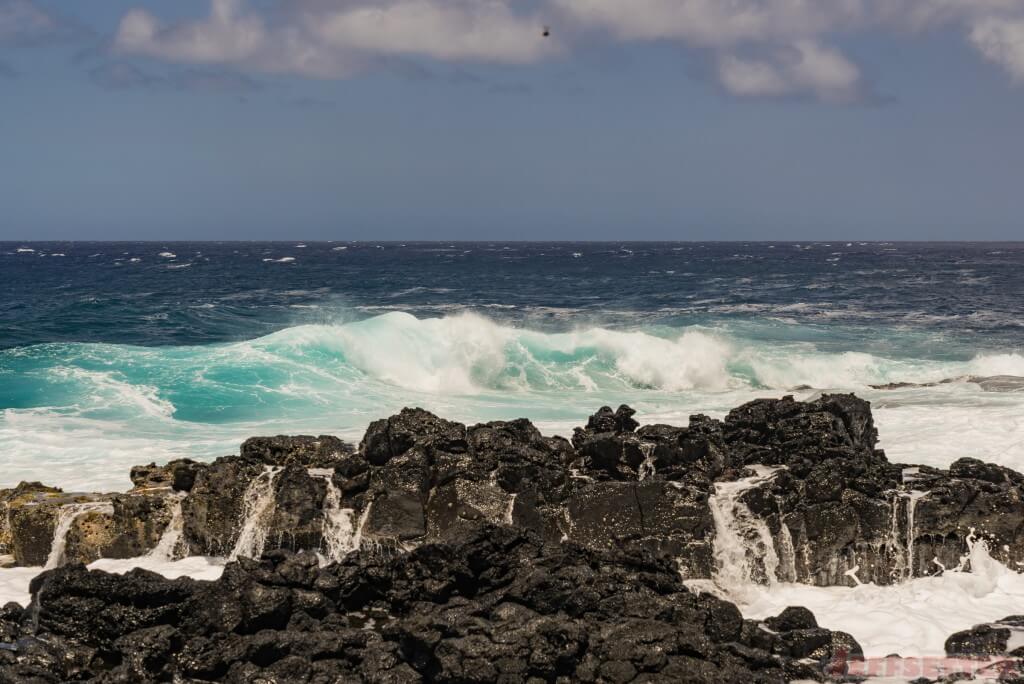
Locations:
{"points": [[496, 604], [833, 502]]}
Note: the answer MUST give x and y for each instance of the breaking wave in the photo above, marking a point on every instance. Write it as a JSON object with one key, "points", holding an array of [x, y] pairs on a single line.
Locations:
{"points": [[463, 354], [111, 406]]}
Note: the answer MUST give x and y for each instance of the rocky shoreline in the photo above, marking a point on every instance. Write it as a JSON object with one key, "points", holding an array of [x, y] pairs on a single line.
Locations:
{"points": [[434, 551]]}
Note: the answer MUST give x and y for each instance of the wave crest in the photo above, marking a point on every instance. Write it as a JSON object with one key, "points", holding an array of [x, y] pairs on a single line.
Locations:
{"points": [[467, 353]]}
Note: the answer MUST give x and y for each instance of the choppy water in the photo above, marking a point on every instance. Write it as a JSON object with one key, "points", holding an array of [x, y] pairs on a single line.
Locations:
{"points": [[113, 354]]}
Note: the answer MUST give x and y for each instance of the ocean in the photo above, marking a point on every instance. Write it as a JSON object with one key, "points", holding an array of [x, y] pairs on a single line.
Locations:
{"points": [[115, 354]]}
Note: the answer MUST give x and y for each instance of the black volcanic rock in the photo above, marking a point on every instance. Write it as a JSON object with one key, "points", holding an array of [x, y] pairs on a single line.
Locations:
{"points": [[310, 452], [833, 501], [213, 509], [494, 605], [178, 475], [991, 639]]}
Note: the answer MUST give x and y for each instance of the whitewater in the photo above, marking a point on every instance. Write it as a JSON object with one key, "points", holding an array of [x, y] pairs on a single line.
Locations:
{"points": [[116, 355], [112, 406]]}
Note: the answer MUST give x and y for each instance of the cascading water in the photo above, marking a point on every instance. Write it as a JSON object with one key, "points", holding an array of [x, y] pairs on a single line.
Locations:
{"points": [[743, 549], [509, 512], [787, 555], [66, 517], [647, 468], [339, 535], [170, 540], [900, 542], [364, 517], [256, 510], [912, 499]]}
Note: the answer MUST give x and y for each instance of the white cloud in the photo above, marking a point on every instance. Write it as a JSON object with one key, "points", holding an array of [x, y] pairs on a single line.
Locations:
{"points": [[332, 40], [802, 67], [485, 30], [226, 35], [711, 23], [1001, 42], [761, 47]]}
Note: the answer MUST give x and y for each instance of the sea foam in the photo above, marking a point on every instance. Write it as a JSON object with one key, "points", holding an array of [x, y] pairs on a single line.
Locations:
{"points": [[79, 415]]}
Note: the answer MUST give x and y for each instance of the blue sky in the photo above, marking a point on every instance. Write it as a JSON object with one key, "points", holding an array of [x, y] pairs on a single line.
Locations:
{"points": [[457, 119]]}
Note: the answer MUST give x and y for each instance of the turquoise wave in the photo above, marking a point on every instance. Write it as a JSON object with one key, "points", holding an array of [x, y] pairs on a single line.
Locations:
{"points": [[65, 405]]}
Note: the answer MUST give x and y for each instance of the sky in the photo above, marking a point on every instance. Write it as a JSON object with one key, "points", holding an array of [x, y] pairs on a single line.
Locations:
{"points": [[460, 119]]}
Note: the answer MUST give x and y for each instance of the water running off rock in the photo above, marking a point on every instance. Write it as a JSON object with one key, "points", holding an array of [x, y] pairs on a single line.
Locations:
{"points": [[65, 519], [744, 551], [256, 511]]}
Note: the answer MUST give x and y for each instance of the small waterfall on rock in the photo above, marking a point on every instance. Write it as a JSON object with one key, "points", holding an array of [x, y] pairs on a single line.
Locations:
{"points": [[743, 549], [66, 517], [170, 540], [510, 510], [357, 541], [647, 468], [912, 498], [902, 542], [787, 554], [339, 535], [256, 511]]}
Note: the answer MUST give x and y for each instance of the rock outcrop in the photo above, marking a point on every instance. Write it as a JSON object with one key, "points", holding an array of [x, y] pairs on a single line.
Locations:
{"points": [[800, 484], [494, 605], [493, 553], [1001, 638]]}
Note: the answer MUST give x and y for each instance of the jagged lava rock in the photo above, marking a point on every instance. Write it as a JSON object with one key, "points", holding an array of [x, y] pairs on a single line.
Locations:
{"points": [[832, 503], [495, 604]]}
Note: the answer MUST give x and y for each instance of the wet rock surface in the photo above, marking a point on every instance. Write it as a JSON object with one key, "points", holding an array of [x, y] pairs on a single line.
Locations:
{"points": [[1003, 637], [494, 604], [417, 478]]}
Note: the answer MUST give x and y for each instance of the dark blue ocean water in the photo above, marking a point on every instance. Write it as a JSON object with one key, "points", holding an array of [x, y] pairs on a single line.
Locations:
{"points": [[126, 293], [111, 353]]}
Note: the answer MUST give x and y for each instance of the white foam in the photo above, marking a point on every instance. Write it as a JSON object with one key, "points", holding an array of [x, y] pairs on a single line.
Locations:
{"points": [[913, 618], [467, 353], [14, 582], [108, 390], [196, 567], [997, 364]]}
